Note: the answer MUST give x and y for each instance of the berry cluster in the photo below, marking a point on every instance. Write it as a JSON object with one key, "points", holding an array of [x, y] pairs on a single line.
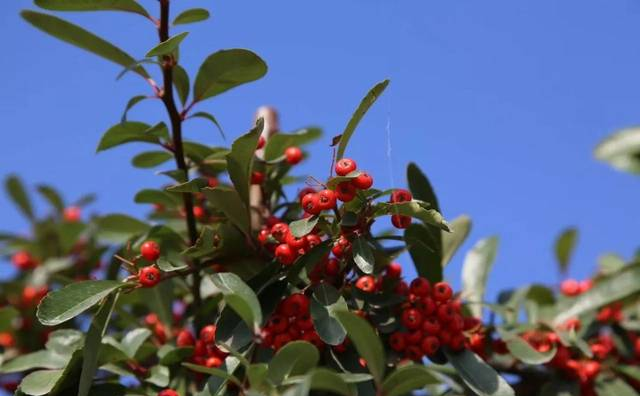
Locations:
{"points": [[290, 322], [398, 196], [430, 318], [573, 288]]}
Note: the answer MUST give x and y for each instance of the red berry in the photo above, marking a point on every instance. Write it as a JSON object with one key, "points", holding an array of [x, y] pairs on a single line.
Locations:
{"points": [[198, 212], [208, 334], [430, 345], [279, 323], [257, 177], [305, 191], [72, 214], [428, 305], [400, 195], [213, 182], [442, 291], [345, 191], [420, 287], [295, 305], [445, 313], [412, 319], [280, 231], [585, 285], [570, 287], [394, 270], [400, 221], [304, 322], [185, 338], [151, 319], [363, 181], [149, 276], [168, 392], [23, 260], [285, 254], [293, 155], [366, 283], [261, 142], [326, 199], [457, 342], [281, 340], [311, 203], [313, 338], [296, 243], [263, 236], [213, 361], [414, 352], [345, 166], [332, 268], [150, 250], [341, 246], [430, 325], [397, 342], [312, 241]]}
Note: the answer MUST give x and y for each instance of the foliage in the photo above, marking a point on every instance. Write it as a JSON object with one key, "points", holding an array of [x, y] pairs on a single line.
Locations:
{"points": [[240, 287]]}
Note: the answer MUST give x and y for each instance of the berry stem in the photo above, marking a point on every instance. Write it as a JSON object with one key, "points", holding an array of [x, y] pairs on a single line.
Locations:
{"points": [[176, 132]]}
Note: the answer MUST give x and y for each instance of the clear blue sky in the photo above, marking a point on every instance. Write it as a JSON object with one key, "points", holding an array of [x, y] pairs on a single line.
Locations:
{"points": [[500, 102]]}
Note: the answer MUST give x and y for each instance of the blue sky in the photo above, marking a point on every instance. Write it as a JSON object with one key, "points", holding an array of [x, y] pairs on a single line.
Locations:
{"points": [[499, 102]]}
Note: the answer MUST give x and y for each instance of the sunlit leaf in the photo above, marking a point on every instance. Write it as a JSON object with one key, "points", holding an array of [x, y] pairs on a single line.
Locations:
{"points": [[475, 272], [191, 15]]}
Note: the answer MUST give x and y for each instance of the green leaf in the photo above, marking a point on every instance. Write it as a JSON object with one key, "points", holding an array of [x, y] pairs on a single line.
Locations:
{"points": [[478, 375], [613, 387], [564, 246], [156, 196], [151, 159], [610, 263], [61, 305], [181, 82], [127, 132], [424, 251], [417, 210], [93, 344], [405, 379], [133, 340], [604, 292], [44, 359], [295, 358], [192, 186], [191, 15], [451, 241], [229, 202], [158, 376], [168, 46], [18, 194], [334, 181], [213, 371], [366, 342], [120, 226], [325, 303], [420, 186], [7, 316], [170, 355], [560, 387], [65, 341], [363, 255], [51, 195], [309, 260], [475, 272], [357, 116], [323, 379], [280, 141], [81, 38], [227, 69], [240, 297], [40, 382], [132, 102], [302, 227], [159, 299], [92, 5], [523, 351], [240, 160], [210, 117], [257, 373], [621, 150], [168, 266]]}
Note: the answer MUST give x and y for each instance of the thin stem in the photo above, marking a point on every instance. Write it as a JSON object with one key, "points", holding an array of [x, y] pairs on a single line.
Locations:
{"points": [[168, 63]]}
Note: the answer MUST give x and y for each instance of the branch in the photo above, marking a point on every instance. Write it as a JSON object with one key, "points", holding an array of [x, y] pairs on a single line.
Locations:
{"points": [[168, 62]]}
